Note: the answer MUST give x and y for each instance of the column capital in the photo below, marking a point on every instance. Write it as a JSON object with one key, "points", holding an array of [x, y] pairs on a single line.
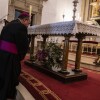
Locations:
{"points": [[45, 36], [80, 36]]}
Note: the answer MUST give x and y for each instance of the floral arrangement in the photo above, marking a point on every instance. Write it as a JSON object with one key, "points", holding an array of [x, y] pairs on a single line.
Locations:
{"points": [[51, 56], [41, 55]]}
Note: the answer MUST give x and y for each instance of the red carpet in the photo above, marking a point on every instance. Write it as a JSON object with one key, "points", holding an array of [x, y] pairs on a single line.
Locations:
{"points": [[51, 89], [37, 88]]}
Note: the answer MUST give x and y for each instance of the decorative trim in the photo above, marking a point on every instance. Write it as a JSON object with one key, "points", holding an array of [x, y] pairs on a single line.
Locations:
{"points": [[35, 83]]}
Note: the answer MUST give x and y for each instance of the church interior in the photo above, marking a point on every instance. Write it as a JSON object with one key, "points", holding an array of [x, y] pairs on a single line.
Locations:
{"points": [[63, 60]]}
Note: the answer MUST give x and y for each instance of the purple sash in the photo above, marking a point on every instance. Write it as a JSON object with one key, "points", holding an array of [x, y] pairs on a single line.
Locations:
{"points": [[7, 46]]}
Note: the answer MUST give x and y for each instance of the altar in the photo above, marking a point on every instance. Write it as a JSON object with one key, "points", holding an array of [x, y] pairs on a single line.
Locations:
{"points": [[67, 30]]}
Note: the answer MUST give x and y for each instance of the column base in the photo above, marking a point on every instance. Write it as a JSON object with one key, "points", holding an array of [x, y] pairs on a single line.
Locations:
{"points": [[77, 70], [64, 72]]}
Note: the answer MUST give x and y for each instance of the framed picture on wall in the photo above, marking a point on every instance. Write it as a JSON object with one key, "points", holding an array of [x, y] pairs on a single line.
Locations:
{"points": [[95, 9]]}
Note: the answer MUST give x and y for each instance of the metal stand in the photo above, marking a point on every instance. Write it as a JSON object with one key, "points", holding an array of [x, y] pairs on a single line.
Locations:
{"points": [[74, 10]]}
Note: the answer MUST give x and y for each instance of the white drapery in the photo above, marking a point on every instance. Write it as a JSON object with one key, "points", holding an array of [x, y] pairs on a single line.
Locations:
{"points": [[67, 27]]}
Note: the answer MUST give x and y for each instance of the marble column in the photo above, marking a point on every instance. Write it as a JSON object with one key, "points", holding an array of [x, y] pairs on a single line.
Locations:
{"points": [[80, 38], [65, 54], [44, 41], [32, 47]]}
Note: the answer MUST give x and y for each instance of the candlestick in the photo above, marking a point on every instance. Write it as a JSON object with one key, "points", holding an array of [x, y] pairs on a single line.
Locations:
{"points": [[74, 10]]}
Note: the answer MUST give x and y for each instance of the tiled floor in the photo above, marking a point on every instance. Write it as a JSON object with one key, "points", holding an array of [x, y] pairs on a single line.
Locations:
{"points": [[88, 59], [88, 66]]}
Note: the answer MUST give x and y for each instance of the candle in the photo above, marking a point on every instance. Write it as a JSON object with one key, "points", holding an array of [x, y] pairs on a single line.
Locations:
{"points": [[30, 10]]}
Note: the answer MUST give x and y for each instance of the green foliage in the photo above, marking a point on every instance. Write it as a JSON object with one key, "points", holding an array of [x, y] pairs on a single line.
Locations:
{"points": [[51, 56]]}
